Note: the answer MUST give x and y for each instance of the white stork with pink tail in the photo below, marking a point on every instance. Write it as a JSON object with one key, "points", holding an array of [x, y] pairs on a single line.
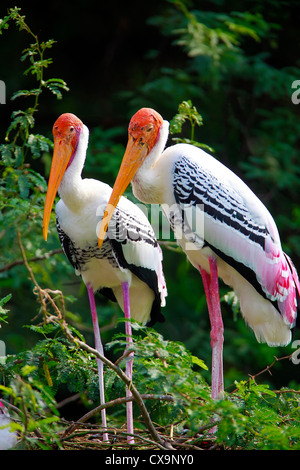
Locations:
{"points": [[238, 240]]}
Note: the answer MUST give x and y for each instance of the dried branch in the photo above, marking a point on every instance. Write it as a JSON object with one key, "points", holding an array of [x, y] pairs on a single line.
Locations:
{"points": [[109, 404], [268, 369]]}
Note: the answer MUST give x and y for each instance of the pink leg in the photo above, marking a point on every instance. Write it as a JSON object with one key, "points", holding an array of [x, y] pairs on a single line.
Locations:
{"points": [[129, 364], [206, 284], [211, 287], [99, 348]]}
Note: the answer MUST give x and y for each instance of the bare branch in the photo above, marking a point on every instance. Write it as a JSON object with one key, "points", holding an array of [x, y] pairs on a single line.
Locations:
{"points": [[109, 404], [19, 262]]}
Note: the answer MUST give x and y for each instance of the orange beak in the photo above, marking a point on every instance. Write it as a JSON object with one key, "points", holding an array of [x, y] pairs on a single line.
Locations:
{"points": [[135, 153], [61, 156]]}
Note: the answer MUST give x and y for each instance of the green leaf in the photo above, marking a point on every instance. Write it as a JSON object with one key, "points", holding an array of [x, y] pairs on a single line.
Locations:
{"points": [[18, 94], [37, 67], [183, 140], [186, 112], [22, 119], [199, 362], [4, 311], [55, 85], [27, 370], [6, 154], [38, 144], [47, 44], [23, 186]]}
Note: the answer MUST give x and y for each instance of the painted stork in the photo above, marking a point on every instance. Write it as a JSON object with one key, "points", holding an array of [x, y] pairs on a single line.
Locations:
{"points": [[237, 240], [129, 267]]}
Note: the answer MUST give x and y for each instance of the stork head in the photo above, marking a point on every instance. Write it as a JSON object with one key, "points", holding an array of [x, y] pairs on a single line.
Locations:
{"points": [[66, 131], [143, 133], [143, 130]]}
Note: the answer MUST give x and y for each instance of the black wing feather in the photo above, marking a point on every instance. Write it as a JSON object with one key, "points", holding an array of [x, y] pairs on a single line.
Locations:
{"points": [[148, 276], [194, 186], [67, 246]]}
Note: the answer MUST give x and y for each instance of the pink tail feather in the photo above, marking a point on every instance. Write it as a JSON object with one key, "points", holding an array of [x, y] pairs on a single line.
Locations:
{"points": [[295, 291], [279, 280]]}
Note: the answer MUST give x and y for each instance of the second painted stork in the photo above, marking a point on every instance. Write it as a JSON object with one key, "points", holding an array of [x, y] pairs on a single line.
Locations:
{"points": [[236, 239], [128, 269]]}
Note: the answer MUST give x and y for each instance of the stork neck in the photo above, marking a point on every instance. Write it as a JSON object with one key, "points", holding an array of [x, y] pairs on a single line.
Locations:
{"points": [[147, 184], [71, 188]]}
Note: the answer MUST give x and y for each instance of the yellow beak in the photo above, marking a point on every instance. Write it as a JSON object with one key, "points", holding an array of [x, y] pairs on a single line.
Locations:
{"points": [[61, 156], [134, 156]]}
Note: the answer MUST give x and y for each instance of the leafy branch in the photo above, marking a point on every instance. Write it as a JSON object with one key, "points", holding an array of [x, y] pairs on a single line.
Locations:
{"points": [[21, 187], [187, 113], [23, 120]]}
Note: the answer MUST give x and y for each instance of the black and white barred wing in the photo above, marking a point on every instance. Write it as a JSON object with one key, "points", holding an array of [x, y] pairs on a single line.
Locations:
{"points": [[197, 189], [134, 242], [68, 247], [80, 254], [244, 237]]}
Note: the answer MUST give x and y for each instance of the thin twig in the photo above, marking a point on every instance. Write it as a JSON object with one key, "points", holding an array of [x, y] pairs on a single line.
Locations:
{"points": [[267, 368], [19, 262], [68, 400], [121, 358], [288, 390]]}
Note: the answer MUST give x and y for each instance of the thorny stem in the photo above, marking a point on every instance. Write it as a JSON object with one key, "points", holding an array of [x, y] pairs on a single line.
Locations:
{"points": [[268, 369]]}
